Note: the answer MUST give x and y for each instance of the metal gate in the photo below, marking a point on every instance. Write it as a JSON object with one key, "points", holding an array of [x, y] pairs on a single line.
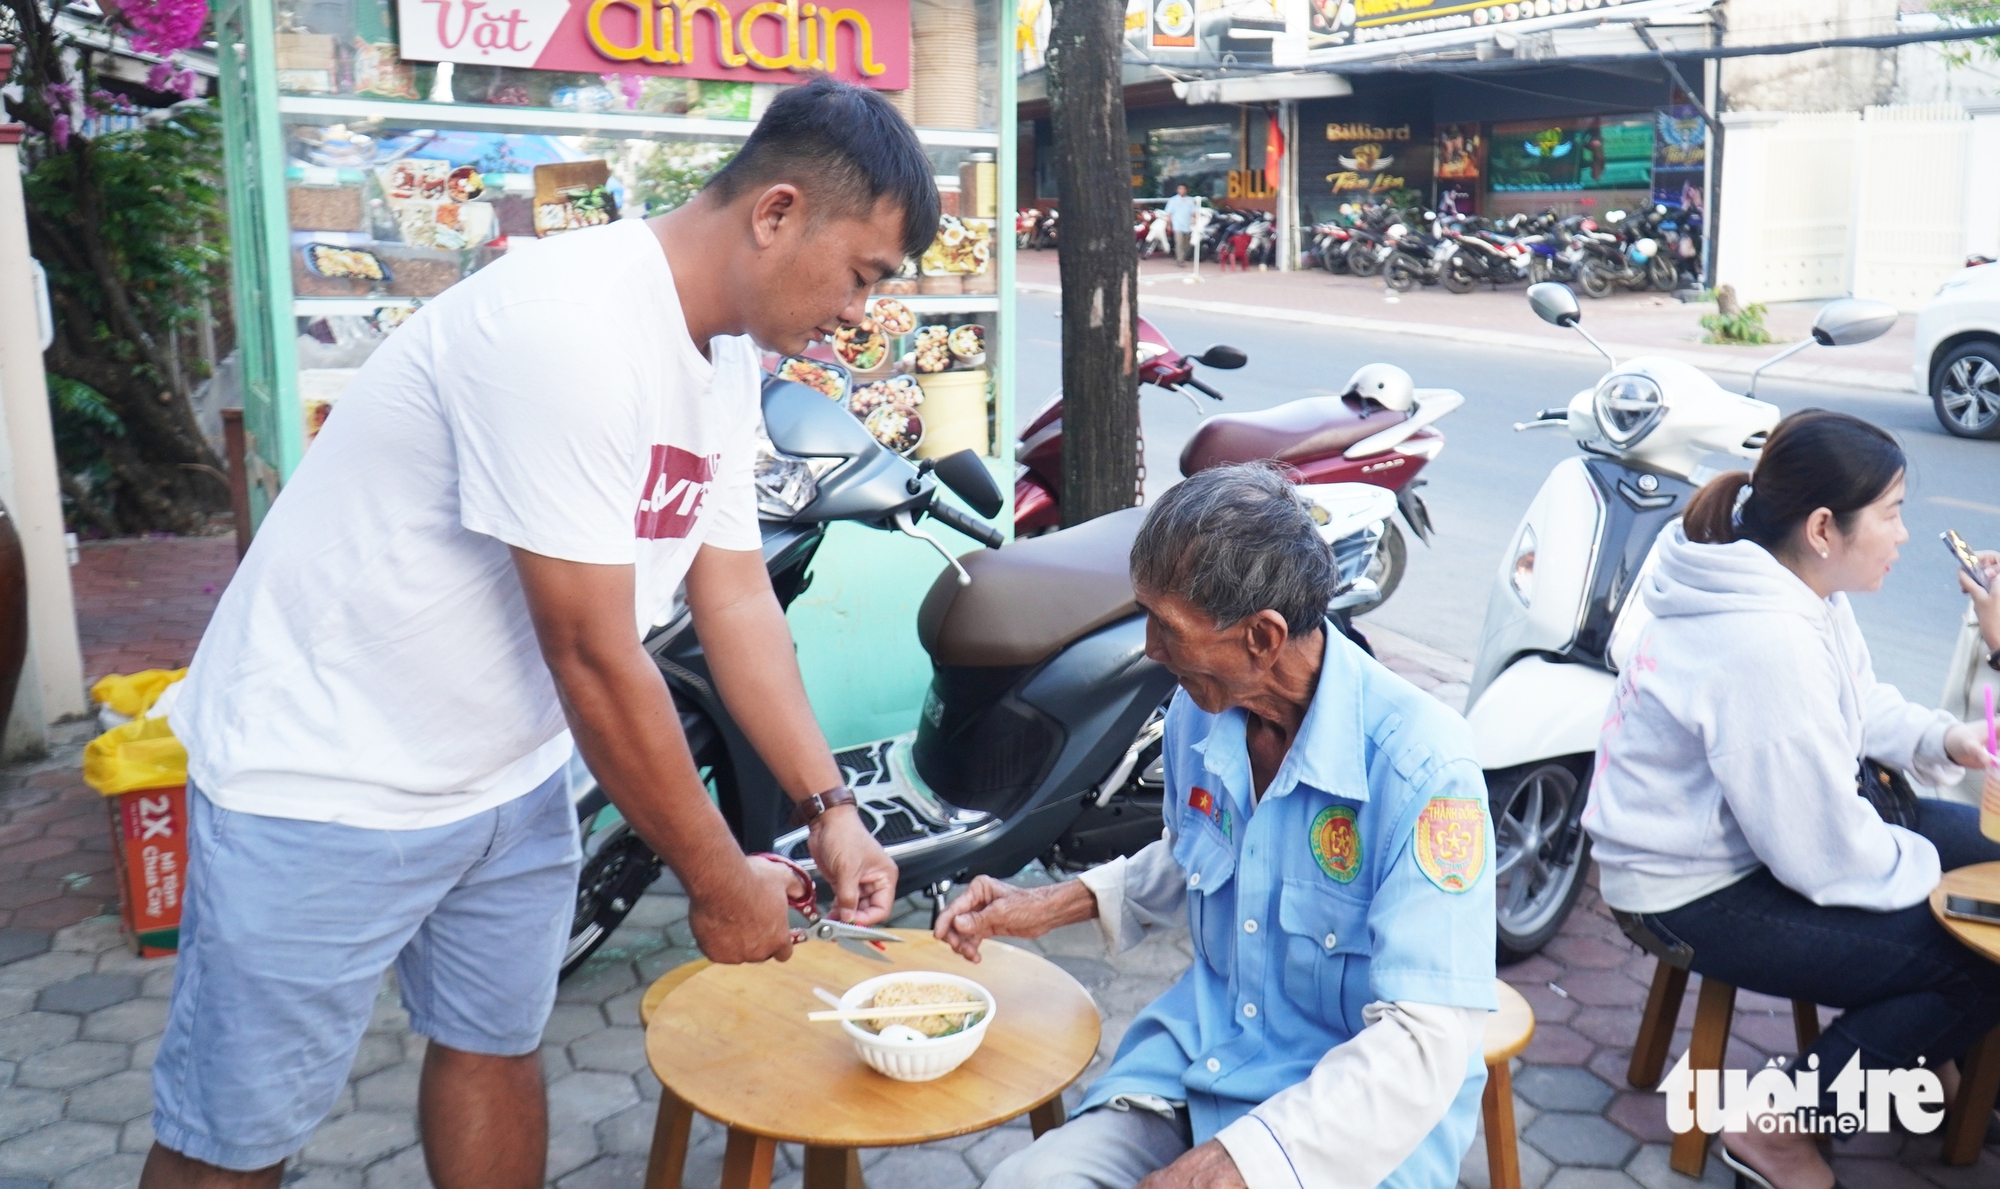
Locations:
{"points": [[1909, 185], [1807, 218]]}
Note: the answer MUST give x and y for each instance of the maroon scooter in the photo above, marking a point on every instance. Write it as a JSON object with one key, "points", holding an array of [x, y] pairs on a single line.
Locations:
{"points": [[1380, 432]]}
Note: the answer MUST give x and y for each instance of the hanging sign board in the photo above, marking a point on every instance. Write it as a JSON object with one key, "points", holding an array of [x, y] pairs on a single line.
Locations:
{"points": [[1173, 24], [860, 41]]}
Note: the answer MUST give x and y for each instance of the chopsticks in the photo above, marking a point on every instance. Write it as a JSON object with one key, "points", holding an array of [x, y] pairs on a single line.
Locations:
{"points": [[893, 1013]]}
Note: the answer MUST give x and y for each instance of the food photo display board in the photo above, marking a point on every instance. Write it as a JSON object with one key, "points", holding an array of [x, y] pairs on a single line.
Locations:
{"points": [[380, 151]]}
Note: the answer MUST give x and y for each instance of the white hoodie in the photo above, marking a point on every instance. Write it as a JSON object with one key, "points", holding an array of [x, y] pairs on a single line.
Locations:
{"points": [[1733, 740]]}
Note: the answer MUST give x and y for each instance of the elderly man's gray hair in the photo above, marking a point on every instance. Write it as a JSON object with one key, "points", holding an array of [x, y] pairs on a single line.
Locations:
{"points": [[1234, 541]]}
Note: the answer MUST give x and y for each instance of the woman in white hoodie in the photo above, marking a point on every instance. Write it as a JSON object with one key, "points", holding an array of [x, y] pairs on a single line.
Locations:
{"points": [[1724, 812]]}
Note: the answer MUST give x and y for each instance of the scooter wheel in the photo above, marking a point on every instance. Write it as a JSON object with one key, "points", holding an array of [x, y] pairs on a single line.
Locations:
{"points": [[617, 871], [1399, 276], [1362, 263], [1540, 849], [1457, 279]]}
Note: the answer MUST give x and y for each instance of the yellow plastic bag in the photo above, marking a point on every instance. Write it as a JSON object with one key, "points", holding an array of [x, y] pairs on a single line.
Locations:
{"points": [[132, 694], [142, 754]]}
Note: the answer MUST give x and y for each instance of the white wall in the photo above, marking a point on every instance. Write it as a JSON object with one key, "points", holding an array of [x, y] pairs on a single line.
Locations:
{"points": [[31, 491], [1786, 199], [1816, 81], [1819, 205]]}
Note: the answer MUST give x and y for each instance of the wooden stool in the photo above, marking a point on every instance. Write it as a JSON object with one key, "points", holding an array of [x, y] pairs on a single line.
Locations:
{"points": [[735, 1045], [1508, 1031], [1713, 1012]]}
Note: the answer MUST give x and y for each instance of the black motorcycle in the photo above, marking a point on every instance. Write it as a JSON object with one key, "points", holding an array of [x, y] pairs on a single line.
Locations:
{"points": [[1040, 737], [1620, 255], [1417, 254], [1484, 254]]}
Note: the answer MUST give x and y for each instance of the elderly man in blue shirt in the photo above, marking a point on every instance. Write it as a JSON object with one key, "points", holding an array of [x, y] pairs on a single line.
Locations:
{"points": [[1326, 843]]}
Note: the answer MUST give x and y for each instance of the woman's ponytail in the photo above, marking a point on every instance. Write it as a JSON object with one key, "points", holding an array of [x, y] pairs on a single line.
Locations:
{"points": [[1710, 518]]}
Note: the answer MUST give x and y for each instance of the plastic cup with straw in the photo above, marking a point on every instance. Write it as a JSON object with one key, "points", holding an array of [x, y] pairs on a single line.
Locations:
{"points": [[1989, 797]]}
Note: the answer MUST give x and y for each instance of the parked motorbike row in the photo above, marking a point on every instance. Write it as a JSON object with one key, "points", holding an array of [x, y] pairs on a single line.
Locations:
{"points": [[1241, 237], [1041, 735], [1244, 237], [1657, 247]]}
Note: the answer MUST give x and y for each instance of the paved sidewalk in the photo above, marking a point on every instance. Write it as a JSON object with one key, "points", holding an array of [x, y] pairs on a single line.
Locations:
{"points": [[1626, 323], [80, 1016], [142, 602]]}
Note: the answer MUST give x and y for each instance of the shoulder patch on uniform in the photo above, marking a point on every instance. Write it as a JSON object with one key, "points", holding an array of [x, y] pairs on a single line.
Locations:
{"points": [[1450, 842], [1336, 843]]}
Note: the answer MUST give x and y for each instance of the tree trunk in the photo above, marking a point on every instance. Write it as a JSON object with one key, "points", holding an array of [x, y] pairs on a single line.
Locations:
{"points": [[1100, 263]]}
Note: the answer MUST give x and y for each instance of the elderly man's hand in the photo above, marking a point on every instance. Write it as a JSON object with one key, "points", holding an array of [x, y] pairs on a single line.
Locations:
{"points": [[990, 908], [1204, 1167]]}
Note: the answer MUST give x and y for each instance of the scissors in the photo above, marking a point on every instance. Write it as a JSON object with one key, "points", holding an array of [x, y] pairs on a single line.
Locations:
{"points": [[806, 903]]}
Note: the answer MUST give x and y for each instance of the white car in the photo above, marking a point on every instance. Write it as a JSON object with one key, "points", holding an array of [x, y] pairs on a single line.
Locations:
{"points": [[1958, 353]]}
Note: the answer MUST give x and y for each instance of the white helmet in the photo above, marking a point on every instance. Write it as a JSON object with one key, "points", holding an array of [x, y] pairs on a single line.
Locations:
{"points": [[1385, 384]]}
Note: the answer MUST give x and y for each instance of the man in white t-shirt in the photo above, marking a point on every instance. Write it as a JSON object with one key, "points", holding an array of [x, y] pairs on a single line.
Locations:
{"points": [[450, 594]]}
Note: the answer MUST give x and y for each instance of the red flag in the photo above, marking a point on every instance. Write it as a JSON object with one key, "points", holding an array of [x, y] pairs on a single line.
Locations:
{"points": [[1274, 151]]}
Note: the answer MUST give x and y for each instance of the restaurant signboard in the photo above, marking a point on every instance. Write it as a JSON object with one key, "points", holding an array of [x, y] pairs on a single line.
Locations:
{"points": [[775, 41], [1355, 22]]}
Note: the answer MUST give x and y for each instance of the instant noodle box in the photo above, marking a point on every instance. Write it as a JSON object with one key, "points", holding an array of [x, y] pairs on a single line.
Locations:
{"points": [[142, 771]]}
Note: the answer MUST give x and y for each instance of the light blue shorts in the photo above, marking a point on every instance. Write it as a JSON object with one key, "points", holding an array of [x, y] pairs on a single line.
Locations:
{"points": [[287, 928]]}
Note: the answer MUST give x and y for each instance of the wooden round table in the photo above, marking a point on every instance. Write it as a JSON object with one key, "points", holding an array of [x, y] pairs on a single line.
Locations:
{"points": [[733, 1043], [1979, 1081]]}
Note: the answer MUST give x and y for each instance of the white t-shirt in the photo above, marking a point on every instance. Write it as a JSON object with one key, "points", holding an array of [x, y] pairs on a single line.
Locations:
{"points": [[372, 663]]}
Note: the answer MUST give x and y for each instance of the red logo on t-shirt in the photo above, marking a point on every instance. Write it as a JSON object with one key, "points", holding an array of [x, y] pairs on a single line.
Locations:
{"points": [[676, 483]]}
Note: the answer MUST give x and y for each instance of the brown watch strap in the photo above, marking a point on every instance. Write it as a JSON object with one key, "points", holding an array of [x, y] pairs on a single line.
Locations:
{"points": [[808, 810]]}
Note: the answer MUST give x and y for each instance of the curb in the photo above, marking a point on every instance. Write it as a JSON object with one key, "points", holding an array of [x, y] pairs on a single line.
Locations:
{"points": [[1845, 377]]}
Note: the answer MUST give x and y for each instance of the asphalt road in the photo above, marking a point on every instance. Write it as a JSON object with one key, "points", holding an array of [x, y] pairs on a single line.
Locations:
{"points": [[1488, 474]]}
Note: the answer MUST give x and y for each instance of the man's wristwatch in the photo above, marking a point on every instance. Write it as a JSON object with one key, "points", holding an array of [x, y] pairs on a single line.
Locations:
{"points": [[808, 811]]}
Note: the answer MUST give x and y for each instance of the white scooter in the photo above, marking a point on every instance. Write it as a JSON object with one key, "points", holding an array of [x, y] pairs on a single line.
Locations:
{"points": [[1561, 617]]}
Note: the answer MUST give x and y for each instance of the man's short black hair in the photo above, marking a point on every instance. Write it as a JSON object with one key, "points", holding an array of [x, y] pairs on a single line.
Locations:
{"points": [[845, 146]]}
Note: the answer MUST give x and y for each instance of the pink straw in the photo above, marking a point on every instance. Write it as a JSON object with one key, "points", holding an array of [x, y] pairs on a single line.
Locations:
{"points": [[1992, 739]]}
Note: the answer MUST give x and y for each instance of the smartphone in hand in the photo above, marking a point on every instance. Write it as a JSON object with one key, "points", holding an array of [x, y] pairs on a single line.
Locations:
{"points": [[1967, 560]]}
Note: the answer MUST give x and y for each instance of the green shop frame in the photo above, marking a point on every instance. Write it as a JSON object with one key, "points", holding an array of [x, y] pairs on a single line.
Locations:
{"points": [[334, 247]]}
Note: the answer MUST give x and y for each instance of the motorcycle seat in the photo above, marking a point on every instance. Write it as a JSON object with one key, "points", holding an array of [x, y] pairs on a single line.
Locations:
{"points": [[1297, 431], [1030, 599]]}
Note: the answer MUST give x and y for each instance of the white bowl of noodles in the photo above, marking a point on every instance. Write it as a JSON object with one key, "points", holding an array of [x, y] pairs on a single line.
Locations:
{"points": [[902, 1054]]}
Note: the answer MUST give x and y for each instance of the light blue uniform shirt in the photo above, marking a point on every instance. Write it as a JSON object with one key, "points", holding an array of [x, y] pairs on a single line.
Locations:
{"points": [[1364, 874], [1180, 212]]}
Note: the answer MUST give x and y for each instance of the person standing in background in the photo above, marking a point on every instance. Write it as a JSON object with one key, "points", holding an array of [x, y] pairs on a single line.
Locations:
{"points": [[1180, 217]]}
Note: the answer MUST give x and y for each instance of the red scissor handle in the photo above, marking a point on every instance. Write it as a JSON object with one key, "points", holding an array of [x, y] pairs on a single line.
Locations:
{"points": [[805, 900]]}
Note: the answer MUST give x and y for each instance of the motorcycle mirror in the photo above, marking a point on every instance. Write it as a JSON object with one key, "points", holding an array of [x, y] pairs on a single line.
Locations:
{"points": [[802, 422], [1223, 356], [968, 477], [1852, 320], [1553, 303]]}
